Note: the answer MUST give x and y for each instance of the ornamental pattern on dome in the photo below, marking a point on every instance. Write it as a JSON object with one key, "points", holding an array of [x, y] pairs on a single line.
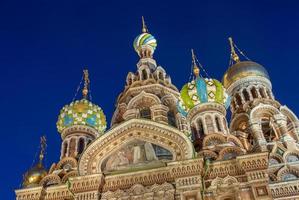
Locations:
{"points": [[82, 112], [202, 90], [144, 40]]}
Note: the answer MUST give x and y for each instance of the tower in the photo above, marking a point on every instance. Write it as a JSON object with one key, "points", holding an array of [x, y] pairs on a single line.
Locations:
{"points": [[79, 123], [254, 107], [204, 101], [260, 121], [33, 177], [149, 93]]}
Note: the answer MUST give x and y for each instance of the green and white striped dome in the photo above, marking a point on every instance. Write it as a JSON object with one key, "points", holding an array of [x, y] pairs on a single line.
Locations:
{"points": [[202, 90]]}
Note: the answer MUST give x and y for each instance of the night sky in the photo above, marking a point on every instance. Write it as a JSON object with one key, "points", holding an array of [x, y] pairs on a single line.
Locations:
{"points": [[45, 45]]}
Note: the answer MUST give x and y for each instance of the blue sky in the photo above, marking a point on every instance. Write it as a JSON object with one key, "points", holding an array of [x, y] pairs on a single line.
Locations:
{"points": [[44, 46]]}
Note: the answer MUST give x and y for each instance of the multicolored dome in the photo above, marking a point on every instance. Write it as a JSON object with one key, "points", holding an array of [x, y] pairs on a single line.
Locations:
{"points": [[202, 90], [144, 40], [82, 112]]}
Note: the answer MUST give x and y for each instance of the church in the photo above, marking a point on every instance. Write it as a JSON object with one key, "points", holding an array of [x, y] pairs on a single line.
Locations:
{"points": [[166, 143]]}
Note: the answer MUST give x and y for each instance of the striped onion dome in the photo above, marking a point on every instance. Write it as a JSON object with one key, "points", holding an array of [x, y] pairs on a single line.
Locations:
{"points": [[144, 40], [199, 91]]}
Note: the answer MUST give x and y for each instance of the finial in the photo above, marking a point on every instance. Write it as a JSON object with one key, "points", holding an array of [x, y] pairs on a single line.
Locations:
{"points": [[233, 55], [195, 67], [144, 28], [86, 83], [42, 149]]}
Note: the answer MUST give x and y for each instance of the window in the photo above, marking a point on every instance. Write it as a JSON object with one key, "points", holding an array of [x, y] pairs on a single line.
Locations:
{"points": [[145, 113], [72, 147], [144, 74], [288, 177], [171, 119], [161, 76], [238, 99], [292, 158], [246, 95], [81, 145]]}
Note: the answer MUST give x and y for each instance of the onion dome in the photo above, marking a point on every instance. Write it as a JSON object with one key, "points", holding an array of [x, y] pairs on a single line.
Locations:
{"points": [[82, 112], [145, 41], [34, 175], [201, 90], [242, 69]]}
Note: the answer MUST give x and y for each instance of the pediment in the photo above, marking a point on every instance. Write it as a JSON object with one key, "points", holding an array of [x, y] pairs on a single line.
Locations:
{"points": [[135, 136]]}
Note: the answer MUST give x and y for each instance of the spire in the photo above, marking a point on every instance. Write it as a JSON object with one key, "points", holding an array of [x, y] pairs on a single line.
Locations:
{"points": [[233, 53], [144, 27], [195, 67], [86, 83], [42, 149]]}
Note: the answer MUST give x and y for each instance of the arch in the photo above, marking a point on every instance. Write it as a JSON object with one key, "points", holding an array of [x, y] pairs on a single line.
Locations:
{"points": [[156, 133], [291, 157], [171, 118], [238, 99], [81, 145], [142, 100]]}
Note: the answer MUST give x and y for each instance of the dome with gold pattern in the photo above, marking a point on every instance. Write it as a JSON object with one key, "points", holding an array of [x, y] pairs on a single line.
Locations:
{"points": [[82, 112], [33, 177], [241, 69]]}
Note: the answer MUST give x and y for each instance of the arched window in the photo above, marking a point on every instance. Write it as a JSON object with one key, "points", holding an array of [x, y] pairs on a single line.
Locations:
{"points": [[81, 145], [238, 99], [218, 125], [171, 119], [292, 158], [144, 74], [246, 95], [200, 128], [145, 113], [288, 177], [254, 93], [273, 161]]}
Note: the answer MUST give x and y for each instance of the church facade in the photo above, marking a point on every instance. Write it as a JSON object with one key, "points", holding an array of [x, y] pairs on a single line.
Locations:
{"points": [[172, 144]]}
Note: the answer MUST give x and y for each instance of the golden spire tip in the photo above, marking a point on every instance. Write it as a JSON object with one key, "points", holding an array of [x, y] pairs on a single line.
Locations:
{"points": [[144, 28], [195, 67], [43, 144], [86, 83], [234, 55]]}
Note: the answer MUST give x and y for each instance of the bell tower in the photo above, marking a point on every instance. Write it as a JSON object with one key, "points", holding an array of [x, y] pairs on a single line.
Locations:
{"points": [[257, 118], [79, 123]]}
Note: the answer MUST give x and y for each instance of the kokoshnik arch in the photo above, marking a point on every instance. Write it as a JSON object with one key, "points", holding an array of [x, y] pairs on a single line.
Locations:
{"points": [[166, 144]]}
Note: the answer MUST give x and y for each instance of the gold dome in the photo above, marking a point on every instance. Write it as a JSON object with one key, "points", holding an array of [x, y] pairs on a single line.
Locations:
{"points": [[33, 177], [241, 70]]}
